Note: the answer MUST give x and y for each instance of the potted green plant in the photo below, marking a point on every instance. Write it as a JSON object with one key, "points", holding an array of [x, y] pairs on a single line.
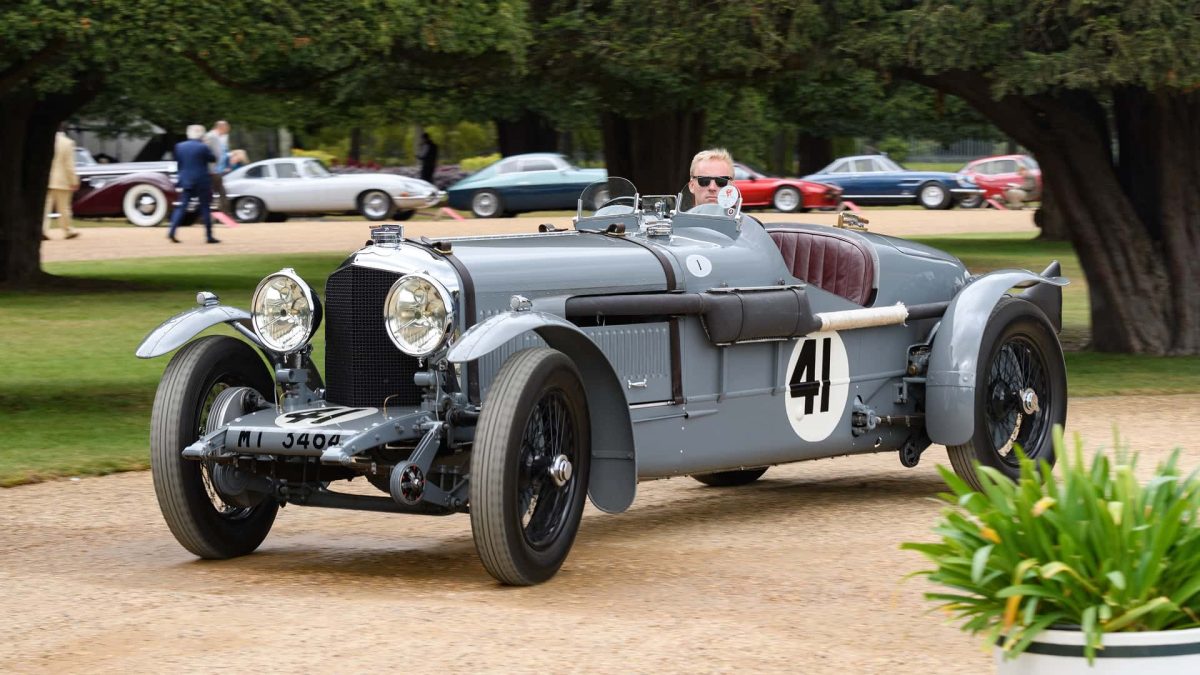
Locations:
{"points": [[1081, 570]]}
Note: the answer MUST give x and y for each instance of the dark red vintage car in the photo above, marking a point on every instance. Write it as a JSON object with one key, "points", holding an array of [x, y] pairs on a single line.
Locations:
{"points": [[997, 174], [784, 194], [141, 192]]}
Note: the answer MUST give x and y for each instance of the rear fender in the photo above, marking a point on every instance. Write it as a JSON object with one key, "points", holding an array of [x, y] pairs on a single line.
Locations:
{"points": [[954, 360], [613, 481]]}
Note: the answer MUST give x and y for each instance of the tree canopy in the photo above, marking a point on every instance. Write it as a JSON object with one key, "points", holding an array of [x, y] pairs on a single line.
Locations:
{"points": [[1106, 93]]}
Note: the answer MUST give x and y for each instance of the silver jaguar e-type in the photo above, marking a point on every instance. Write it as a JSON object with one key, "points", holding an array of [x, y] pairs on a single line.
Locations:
{"points": [[286, 186]]}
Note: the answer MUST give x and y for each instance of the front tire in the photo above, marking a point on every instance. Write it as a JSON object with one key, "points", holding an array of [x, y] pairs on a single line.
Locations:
{"points": [[407, 214], [200, 519], [971, 201], [529, 467], [486, 204], [730, 478], [1020, 393], [933, 195], [376, 205], [787, 200], [145, 205]]}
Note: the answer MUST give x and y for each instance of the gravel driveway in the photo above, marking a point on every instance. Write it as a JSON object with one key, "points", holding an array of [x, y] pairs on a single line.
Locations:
{"points": [[124, 241], [797, 573]]}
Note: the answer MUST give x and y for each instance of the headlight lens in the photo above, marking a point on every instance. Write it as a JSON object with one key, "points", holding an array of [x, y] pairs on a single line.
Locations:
{"points": [[418, 314], [285, 312]]}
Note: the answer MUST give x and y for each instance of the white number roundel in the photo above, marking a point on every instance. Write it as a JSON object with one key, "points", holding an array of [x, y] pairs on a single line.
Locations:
{"points": [[818, 385]]}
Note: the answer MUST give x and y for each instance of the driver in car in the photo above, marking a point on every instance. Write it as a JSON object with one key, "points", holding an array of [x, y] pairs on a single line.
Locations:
{"points": [[711, 170]]}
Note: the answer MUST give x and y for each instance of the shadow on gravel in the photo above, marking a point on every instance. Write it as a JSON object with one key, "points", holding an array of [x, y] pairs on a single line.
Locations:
{"points": [[364, 557]]}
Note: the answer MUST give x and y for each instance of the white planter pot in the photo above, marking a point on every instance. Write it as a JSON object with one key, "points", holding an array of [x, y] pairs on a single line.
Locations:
{"points": [[1060, 652]]}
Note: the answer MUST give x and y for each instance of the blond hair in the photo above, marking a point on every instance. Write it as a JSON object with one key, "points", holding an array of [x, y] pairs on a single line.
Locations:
{"points": [[712, 153]]}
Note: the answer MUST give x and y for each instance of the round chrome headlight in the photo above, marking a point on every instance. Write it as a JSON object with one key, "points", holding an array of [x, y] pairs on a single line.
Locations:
{"points": [[418, 314], [285, 312]]}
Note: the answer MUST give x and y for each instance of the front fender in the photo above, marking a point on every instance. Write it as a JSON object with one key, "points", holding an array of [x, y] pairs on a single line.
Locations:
{"points": [[182, 327], [613, 482], [954, 359]]}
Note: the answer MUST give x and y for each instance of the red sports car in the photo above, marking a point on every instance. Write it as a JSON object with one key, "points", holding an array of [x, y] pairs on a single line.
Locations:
{"points": [[784, 194], [997, 174]]}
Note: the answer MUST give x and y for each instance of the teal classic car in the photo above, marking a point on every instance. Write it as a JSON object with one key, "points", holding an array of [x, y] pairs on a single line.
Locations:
{"points": [[532, 182]]}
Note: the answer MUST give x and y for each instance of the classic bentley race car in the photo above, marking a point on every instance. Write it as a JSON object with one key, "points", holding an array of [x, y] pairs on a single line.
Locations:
{"points": [[509, 376]]}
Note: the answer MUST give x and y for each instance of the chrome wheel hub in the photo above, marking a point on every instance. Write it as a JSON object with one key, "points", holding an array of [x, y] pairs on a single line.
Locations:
{"points": [[560, 470], [1029, 401]]}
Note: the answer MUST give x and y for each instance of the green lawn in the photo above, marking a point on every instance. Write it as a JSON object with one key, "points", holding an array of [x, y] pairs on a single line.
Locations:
{"points": [[74, 399]]}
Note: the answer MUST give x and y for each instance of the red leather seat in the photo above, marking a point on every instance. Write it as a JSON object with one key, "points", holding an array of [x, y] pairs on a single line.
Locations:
{"points": [[831, 261]]}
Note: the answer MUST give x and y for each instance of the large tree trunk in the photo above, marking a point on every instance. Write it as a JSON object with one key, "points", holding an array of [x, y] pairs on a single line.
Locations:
{"points": [[1133, 219], [27, 144], [27, 126], [813, 153], [653, 152], [530, 132]]}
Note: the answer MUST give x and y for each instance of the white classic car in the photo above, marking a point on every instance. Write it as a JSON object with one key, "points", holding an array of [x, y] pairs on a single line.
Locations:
{"points": [[275, 188]]}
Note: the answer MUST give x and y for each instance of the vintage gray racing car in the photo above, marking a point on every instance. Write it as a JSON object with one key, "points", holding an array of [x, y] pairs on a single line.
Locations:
{"points": [[508, 376]]}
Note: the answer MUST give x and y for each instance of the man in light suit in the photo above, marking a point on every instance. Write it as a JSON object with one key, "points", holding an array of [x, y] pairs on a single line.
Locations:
{"points": [[62, 186], [192, 158]]}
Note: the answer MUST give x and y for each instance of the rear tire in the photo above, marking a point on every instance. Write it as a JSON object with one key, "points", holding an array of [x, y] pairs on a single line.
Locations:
{"points": [[145, 205], [524, 515], [1020, 354], [971, 202], [486, 204], [376, 205], [730, 478], [199, 518], [249, 210]]}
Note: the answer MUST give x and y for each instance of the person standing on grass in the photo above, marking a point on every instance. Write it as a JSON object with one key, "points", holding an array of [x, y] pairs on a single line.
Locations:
{"points": [[62, 186], [192, 158]]}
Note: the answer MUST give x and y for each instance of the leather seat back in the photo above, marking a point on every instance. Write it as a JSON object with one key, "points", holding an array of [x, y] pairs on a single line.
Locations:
{"points": [[831, 261]]}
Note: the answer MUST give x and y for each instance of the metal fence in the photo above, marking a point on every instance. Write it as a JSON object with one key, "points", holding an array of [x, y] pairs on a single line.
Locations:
{"points": [[922, 150]]}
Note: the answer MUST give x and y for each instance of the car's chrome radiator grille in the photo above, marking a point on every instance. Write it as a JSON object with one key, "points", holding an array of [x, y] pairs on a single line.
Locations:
{"points": [[362, 366]]}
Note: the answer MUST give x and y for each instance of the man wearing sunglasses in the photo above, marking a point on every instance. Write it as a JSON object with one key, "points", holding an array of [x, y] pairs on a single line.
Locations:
{"points": [[711, 170]]}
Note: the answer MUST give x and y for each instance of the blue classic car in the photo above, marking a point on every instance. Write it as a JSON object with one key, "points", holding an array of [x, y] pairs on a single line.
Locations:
{"points": [[876, 179], [532, 182]]}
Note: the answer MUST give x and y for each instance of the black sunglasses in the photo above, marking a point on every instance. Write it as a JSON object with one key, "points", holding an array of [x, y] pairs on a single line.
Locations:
{"points": [[703, 181]]}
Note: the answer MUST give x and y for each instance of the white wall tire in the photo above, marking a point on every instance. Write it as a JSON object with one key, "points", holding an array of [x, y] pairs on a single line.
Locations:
{"points": [[145, 205]]}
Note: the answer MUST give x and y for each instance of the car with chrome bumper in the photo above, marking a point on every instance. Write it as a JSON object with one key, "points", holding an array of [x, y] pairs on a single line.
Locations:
{"points": [[879, 180], [512, 377], [140, 192], [274, 189]]}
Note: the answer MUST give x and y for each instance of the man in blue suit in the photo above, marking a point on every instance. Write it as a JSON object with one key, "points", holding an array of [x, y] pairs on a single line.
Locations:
{"points": [[192, 158]]}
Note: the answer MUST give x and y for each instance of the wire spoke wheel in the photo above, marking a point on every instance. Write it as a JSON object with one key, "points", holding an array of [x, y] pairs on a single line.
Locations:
{"points": [[529, 467], [185, 409], [1020, 393]]}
